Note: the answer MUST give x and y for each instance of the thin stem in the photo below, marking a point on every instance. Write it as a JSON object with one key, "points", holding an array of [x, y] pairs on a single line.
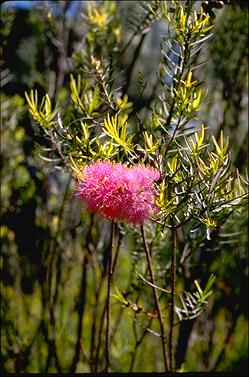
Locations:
{"points": [[94, 326], [82, 301], [99, 338], [138, 342], [148, 257], [172, 298], [96, 359], [108, 301], [80, 309], [49, 300]]}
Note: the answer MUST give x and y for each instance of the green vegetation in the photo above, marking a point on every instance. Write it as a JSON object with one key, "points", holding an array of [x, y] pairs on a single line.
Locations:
{"points": [[124, 82]]}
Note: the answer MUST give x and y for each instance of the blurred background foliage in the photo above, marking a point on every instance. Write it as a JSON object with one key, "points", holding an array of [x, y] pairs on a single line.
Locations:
{"points": [[54, 253]]}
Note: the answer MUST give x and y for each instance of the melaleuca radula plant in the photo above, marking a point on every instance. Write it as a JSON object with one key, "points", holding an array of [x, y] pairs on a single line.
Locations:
{"points": [[170, 174]]}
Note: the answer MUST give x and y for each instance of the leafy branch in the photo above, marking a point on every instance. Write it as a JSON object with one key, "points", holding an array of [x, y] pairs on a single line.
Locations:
{"points": [[116, 128], [43, 113], [192, 304]]}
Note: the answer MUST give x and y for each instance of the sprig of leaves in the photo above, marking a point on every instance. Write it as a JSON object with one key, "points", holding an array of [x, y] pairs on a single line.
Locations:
{"points": [[193, 304], [43, 112], [116, 128]]}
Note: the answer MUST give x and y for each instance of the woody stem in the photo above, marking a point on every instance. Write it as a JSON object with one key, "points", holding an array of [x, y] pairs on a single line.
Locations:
{"points": [[156, 299], [108, 301]]}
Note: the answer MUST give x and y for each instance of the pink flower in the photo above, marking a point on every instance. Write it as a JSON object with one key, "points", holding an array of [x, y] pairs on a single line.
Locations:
{"points": [[116, 191]]}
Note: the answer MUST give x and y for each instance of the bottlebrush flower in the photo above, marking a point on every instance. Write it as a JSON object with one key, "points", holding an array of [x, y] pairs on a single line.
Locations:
{"points": [[116, 191]]}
